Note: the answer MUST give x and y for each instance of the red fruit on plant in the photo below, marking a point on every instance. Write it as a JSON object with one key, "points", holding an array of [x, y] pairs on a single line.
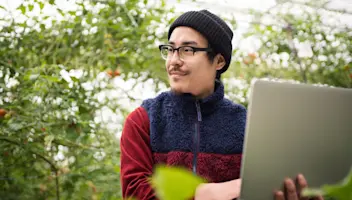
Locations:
{"points": [[43, 129], [110, 72], [247, 60], [117, 73], [2, 112], [252, 55], [6, 154]]}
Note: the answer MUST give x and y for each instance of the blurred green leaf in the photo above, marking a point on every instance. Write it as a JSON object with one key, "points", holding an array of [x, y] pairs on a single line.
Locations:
{"points": [[340, 191], [41, 5], [174, 183], [30, 7], [22, 8]]}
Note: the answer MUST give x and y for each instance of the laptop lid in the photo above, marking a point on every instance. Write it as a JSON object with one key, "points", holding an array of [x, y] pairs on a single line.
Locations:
{"points": [[295, 128]]}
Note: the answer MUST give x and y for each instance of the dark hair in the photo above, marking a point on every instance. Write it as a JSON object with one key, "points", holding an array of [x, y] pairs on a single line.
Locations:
{"points": [[211, 56]]}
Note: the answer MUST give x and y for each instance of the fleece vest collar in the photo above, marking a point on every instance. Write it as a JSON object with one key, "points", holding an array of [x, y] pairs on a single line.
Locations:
{"points": [[188, 103]]}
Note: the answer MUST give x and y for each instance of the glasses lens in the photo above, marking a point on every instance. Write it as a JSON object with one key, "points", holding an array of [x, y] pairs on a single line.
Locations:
{"points": [[166, 51], [186, 52]]}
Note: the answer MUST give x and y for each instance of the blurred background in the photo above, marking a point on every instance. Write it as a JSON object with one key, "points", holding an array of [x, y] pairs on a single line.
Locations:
{"points": [[72, 70]]}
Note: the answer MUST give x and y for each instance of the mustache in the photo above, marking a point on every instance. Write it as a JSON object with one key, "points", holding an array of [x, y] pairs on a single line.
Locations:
{"points": [[177, 70]]}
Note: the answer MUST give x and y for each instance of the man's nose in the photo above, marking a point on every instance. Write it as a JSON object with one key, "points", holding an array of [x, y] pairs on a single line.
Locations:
{"points": [[175, 58]]}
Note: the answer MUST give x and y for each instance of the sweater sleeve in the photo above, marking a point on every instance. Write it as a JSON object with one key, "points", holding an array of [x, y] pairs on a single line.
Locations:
{"points": [[136, 157]]}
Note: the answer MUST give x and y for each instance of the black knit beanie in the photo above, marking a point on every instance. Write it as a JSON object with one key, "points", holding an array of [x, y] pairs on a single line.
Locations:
{"points": [[213, 28]]}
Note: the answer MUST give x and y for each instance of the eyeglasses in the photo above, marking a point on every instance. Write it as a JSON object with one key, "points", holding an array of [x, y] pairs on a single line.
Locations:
{"points": [[184, 52]]}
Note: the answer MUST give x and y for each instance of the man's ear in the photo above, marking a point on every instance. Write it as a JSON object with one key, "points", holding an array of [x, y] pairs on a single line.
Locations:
{"points": [[219, 61]]}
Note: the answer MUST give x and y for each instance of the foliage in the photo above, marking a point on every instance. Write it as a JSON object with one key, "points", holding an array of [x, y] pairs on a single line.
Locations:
{"points": [[297, 45], [55, 74], [341, 191], [59, 73]]}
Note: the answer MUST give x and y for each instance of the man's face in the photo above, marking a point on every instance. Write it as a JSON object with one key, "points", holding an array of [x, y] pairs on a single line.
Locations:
{"points": [[193, 74]]}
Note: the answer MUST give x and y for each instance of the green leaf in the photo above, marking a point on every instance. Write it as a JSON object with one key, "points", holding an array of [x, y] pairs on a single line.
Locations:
{"points": [[52, 78], [2, 7], [74, 79], [340, 191], [60, 11], [52, 2], [41, 5], [174, 183], [22, 8], [30, 7]]}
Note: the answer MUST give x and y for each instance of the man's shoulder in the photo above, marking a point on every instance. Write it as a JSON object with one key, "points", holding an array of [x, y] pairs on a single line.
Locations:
{"points": [[233, 106], [156, 101]]}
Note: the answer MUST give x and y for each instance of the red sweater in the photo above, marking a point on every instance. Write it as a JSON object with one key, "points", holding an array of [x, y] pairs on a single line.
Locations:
{"points": [[136, 157]]}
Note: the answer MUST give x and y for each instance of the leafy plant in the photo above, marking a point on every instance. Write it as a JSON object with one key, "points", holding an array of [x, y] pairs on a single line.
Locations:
{"points": [[58, 73], [339, 191]]}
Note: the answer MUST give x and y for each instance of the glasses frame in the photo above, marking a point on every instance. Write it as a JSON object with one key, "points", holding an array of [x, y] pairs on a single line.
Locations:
{"points": [[195, 49]]}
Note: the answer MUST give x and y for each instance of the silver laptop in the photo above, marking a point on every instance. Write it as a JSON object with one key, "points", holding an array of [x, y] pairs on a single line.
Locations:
{"points": [[295, 128]]}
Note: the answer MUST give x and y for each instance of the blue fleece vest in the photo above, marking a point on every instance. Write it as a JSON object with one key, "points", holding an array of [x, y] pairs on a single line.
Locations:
{"points": [[180, 123]]}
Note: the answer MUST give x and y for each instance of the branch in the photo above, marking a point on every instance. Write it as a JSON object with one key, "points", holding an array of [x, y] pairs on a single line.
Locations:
{"points": [[53, 167], [71, 144], [57, 185], [39, 155]]}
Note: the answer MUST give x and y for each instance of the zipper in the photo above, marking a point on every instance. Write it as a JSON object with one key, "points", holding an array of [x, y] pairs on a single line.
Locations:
{"points": [[196, 137]]}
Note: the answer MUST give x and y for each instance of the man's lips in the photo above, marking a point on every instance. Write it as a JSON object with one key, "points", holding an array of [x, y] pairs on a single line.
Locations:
{"points": [[177, 73]]}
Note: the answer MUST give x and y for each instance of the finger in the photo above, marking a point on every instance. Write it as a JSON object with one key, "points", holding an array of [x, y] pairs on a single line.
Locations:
{"points": [[301, 184], [279, 195], [291, 191]]}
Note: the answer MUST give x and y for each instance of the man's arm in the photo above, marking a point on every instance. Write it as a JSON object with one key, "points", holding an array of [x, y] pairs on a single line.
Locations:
{"points": [[136, 157], [231, 189]]}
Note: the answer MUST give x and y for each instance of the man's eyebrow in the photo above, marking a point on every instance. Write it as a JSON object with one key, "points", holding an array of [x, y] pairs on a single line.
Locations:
{"points": [[185, 43]]}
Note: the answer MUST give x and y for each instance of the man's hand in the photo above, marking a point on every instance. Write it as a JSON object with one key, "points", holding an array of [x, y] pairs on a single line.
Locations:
{"points": [[219, 191], [291, 192]]}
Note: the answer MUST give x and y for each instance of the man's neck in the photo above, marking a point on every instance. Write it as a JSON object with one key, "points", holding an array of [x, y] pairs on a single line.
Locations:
{"points": [[205, 94]]}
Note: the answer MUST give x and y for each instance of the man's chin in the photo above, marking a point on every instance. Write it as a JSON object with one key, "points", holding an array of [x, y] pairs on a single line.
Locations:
{"points": [[178, 90]]}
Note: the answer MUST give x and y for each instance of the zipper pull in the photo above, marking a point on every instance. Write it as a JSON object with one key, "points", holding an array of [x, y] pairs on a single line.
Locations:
{"points": [[199, 113]]}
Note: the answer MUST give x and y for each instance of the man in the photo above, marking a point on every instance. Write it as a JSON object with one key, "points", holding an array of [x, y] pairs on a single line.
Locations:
{"points": [[193, 125]]}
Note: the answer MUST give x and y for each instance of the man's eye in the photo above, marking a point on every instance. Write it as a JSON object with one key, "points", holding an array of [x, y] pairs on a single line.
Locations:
{"points": [[188, 49]]}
